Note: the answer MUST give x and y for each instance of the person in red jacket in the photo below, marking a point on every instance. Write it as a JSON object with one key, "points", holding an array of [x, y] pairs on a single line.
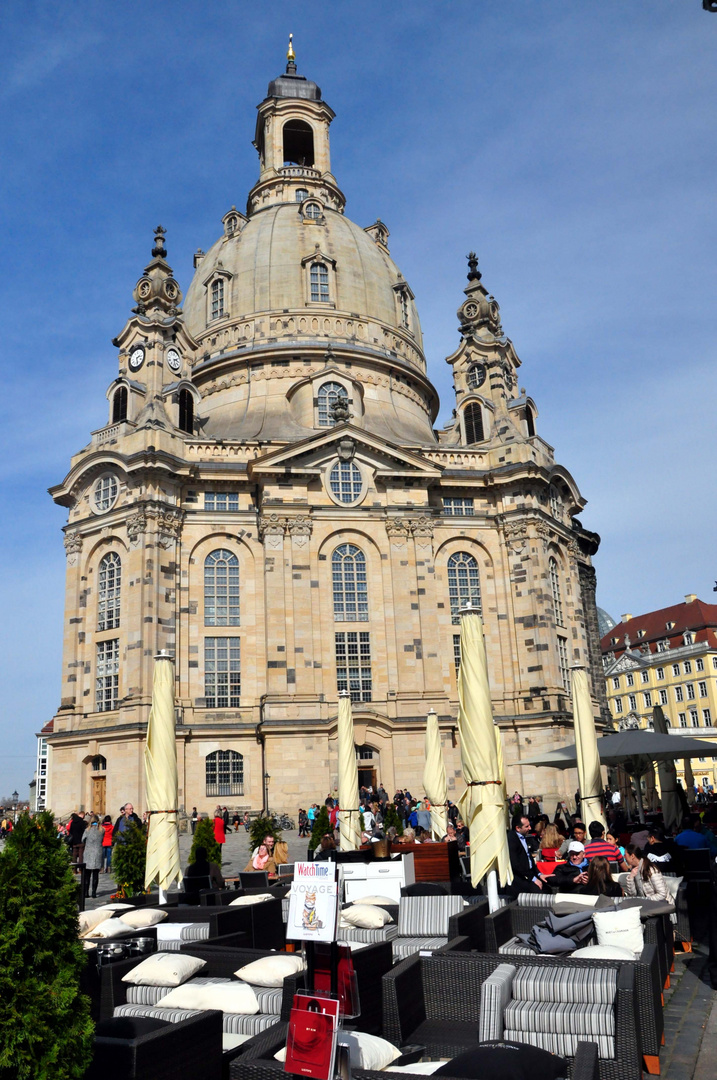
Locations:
{"points": [[107, 843], [219, 834]]}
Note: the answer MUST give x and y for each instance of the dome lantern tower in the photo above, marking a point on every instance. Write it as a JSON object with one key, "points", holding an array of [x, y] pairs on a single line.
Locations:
{"points": [[292, 138]]}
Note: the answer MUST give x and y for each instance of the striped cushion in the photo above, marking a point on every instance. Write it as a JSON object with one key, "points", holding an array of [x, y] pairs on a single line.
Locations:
{"points": [[539, 984], [368, 937], [269, 998], [535, 899], [285, 908], [173, 945], [587, 1020], [403, 947], [426, 916], [565, 1045], [198, 931], [515, 947], [495, 995], [233, 1023]]}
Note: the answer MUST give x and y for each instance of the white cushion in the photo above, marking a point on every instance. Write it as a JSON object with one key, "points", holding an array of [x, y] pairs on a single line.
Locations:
{"points": [[89, 945], [622, 928], [232, 997], [365, 916], [229, 1042], [673, 884], [271, 970], [110, 928], [88, 920], [143, 917], [164, 969], [114, 907], [245, 901], [377, 901], [583, 899], [421, 1068], [376, 1053], [602, 952], [171, 931]]}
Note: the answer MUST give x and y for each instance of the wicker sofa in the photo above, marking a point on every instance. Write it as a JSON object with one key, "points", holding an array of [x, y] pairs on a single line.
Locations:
{"points": [[135, 1048], [436, 1001]]}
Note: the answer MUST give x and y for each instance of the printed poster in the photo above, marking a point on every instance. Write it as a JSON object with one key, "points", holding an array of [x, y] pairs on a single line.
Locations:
{"points": [[313, 902]]}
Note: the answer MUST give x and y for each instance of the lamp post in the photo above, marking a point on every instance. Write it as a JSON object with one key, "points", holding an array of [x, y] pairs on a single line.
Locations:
{"points": [[267, 778], [15, 797]]}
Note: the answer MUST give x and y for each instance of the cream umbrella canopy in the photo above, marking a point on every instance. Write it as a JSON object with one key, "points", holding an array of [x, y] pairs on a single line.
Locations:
{"points": [[589, 777], [434, 777], [482, 804], [349, 826], [160, 768], [689, 782]]}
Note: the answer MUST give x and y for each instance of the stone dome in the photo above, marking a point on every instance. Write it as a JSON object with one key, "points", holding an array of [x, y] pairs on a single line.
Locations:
{"points": [[265, 268]]}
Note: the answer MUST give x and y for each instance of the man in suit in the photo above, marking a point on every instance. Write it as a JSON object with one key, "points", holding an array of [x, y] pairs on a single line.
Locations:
{"points": [[526, 876]]}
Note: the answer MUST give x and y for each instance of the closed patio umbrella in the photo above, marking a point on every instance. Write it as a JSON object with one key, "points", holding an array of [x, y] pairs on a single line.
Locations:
{"points": [[482, 804], [160, 767], [588, 759], [668, 777], [689, 782], [434, 777], [349, 825]]}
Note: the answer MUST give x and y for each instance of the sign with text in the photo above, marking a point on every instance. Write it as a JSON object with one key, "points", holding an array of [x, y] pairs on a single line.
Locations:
{"points": [[313, 902]]}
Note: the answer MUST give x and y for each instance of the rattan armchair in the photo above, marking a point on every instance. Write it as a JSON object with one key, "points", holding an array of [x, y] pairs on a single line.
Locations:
{"points": [[435, 1001], [137, 1048]]}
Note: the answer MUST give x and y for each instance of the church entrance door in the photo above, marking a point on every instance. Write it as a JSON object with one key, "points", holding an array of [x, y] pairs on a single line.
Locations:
{"points": [[99, 784], [366, 777]]}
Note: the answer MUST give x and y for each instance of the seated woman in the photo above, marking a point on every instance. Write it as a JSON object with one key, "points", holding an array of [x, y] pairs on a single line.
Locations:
{"points": [[550, 841], [644, 879], [202, 868], [569, 875], [262, 860], [326, 848], [600, 881]]}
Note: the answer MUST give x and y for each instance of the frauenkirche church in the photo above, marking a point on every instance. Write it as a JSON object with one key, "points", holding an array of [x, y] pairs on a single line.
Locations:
{"points": [[270, 501]]}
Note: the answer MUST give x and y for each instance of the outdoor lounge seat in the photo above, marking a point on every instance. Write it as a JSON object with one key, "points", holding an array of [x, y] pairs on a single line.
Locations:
{"points": [[426, 923], [134, 1048], [437, 1001]]}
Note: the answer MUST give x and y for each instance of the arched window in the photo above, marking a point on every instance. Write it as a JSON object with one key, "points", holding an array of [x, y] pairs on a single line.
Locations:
{"points": [[298, 143], [348, 570], [329, 393], [99, 763], [555, 589], [403, 299], [473, 419], [186, 412], [346, 482], [463, 583], [301, 194], [225, 773], [119, 405], [108, 591], [476, 376], [221, 589], [530, 422], [319, 283], [217, 298], [556, 506]]}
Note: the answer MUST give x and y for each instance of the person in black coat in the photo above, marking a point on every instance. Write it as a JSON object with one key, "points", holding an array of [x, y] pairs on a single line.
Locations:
{"points": [[526, 876], [568, 876], [127, 817]]}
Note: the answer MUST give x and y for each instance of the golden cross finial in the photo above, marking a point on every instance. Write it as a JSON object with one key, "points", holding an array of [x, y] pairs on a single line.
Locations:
{"points": [[291, 55]]}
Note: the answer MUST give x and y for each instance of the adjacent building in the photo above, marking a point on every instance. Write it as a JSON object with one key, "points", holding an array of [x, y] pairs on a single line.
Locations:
{"points": [[268, 499], [666, 657]]}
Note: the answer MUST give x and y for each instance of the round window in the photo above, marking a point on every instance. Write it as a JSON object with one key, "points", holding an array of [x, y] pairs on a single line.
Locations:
{"points": [[105, 493], [346, 482]]}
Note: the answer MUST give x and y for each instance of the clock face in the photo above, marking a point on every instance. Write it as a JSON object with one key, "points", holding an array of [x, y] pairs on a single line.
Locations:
{"points": [[174, 360], [136, 358]]}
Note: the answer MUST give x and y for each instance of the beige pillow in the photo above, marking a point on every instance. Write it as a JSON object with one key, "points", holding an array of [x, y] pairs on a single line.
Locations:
{"points": [[143, 917], [88, 920], [246, 901], [622, 928], [377, 901], [673, 884], [582, 899], [376, 1053], [164, 969], [602, 952], [234, 997], [230, 1042], [114, 907], [110, 928], [271, 970], [365, 916]]}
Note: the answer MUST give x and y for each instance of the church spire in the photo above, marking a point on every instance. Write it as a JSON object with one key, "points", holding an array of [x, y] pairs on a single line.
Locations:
{"points": [[157, 292], [291, 57]]}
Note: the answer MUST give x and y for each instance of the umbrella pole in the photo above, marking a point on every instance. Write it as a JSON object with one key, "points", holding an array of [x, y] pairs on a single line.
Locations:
{"points": [[491, 881], [638, 798]]}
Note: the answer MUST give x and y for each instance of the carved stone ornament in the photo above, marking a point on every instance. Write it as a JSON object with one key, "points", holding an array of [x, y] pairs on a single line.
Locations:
{"points": [[516, 536], [169, 526], [73, 547], [543, 532], [136, 525], [400, 528], [346, 448], [574, 549], [397, 528], [273, 528]]}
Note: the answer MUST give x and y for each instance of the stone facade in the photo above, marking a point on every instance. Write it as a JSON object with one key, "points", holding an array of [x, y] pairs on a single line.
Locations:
{"points": [[270, 502]]}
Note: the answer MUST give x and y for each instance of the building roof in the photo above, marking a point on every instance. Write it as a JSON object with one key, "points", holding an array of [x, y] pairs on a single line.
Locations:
{"points": [[665, 624]]}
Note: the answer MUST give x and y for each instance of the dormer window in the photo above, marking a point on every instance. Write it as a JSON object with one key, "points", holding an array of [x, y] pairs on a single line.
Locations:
{"points": [[403, 298], [319, 283], [669, 626], [473, 422], [312, 211], [119, 405], [641, 633], [217, 308], [301, 194], [530, 422], [329, 394], [688, 637]]}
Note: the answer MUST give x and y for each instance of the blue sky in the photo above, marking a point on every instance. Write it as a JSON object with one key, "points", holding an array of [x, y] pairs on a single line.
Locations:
{"points": [[572, 145]]}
